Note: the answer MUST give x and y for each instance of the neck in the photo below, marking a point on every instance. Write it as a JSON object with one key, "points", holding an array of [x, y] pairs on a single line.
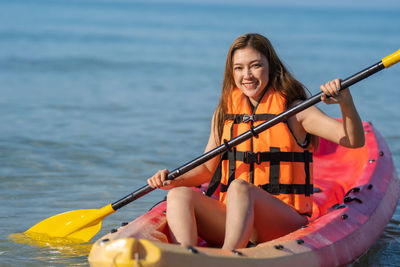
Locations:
{"points": [[254, 101]]}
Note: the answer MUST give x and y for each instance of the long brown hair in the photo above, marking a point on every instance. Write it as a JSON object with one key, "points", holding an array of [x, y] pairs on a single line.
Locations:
{"points": [[280, 78]]}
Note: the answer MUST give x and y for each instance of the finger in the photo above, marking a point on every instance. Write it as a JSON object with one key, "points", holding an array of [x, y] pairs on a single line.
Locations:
{"points": [[324, 88], [337, 83], [331, 87], [336, 87], [163, 174], [157, 180], [151, 183]]}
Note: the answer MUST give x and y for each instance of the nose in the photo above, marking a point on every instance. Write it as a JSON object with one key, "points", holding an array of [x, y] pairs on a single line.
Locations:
{"points": [[248, 73]]}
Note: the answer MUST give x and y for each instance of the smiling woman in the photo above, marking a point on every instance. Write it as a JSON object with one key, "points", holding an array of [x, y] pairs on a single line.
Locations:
{"points": [[255, 175]]}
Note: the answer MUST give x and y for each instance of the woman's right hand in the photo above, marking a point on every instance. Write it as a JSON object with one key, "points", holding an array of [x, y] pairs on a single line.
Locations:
{"points": [[158, 180]]}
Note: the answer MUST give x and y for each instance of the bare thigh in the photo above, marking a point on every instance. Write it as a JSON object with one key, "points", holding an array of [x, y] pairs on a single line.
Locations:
{"points": [[210, 214], [272, 217]]}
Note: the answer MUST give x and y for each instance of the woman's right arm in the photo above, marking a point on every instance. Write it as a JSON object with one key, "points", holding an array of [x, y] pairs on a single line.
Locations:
{"points": [[197, 176]]}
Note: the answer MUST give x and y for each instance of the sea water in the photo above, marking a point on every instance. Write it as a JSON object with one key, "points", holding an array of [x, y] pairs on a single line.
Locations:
{"points": [[96, 96]]}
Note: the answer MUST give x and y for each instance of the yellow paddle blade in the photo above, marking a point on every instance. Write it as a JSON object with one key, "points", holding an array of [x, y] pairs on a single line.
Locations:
{"points": [[80, 225]]}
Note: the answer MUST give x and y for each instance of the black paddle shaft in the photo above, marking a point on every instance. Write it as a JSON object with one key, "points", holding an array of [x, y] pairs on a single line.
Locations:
{"points": [[247, 135]]}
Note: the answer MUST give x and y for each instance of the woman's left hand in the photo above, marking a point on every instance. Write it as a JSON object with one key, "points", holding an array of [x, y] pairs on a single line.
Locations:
{"points": [[331, 93]]}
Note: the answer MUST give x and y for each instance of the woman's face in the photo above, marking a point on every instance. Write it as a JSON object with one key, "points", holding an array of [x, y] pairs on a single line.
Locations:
{"points": [[250, 72]]}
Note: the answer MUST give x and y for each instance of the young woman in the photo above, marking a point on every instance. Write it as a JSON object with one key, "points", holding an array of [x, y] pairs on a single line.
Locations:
{"points": [[265, 182]]}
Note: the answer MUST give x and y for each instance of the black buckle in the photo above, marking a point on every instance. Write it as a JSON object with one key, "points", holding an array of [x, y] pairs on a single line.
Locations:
{"points": [[247, 118], [250, 157]]}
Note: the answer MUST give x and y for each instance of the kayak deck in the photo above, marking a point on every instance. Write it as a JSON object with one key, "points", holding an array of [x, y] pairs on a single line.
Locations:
{"points": [[356, 193]]}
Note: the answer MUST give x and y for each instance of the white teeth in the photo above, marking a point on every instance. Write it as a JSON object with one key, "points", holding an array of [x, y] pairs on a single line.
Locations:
{"points": [[250, 84]]}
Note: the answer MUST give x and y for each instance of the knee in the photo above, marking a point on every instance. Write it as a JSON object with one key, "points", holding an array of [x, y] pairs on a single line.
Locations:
{"points": [[180, 195], [239, 187]]}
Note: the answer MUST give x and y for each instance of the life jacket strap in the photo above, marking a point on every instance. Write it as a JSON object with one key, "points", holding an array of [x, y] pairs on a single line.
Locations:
{"points": [[251, 157], [297, 189], [274, 170], [307, 161], [215, 180]]}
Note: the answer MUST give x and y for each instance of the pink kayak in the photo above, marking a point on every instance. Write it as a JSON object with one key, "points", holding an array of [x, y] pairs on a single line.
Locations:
{"points": [[356, 193]]}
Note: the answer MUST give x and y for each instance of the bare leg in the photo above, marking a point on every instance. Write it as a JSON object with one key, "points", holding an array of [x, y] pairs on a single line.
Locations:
{"points": [[249, 207], [190, 213], [240, 215]]}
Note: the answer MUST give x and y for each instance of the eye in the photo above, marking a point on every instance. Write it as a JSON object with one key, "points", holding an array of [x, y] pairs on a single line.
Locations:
{"points": [[256, 65], [237, 68]]}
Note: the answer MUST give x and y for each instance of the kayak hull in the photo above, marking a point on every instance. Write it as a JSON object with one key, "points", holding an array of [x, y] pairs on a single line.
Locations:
{"points": [[356, 196]]}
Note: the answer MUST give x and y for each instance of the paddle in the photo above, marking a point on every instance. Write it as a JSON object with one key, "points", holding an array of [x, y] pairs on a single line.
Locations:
{"points": [[82, 225]]}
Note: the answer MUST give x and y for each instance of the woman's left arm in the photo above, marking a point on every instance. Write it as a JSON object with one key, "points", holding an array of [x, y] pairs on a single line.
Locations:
{"points": [[349, 132]]}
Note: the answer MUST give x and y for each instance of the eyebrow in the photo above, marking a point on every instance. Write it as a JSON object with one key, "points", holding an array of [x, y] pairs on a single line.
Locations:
{"points": [[256, 60]]}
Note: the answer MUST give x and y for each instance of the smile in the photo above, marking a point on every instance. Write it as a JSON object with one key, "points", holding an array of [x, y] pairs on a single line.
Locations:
{"points": [[250, 85]]}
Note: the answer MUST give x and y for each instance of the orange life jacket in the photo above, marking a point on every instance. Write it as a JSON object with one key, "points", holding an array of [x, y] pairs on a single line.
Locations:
{"points": [[273, 160]]}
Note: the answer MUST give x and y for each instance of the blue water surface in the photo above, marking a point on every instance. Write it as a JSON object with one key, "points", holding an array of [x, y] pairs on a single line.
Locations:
{"points": [[95, 96]]}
